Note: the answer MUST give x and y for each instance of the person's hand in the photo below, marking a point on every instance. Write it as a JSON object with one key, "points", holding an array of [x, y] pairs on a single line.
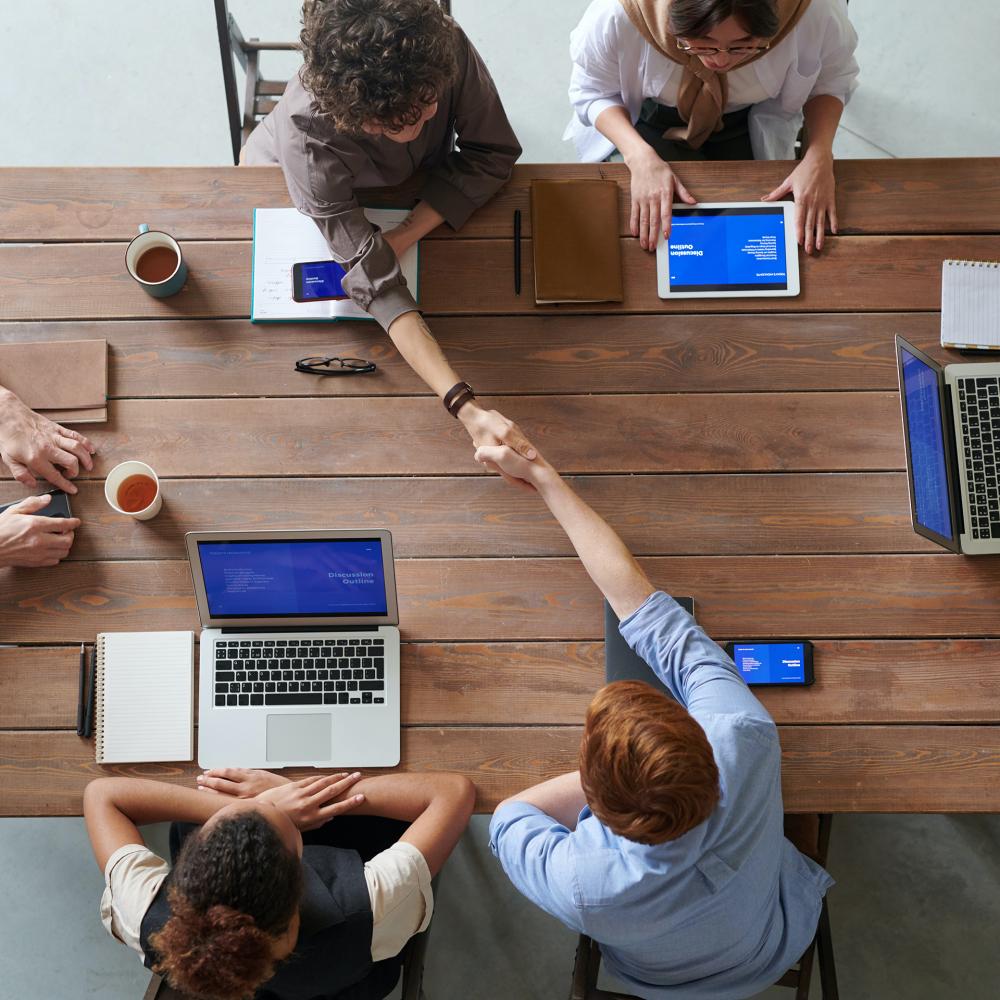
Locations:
{"points": [[32, 445], [813, 186], [488, 427], [529, 475], [311, 802], [32, 541], [653, 187], [400, 238], [240, 782]]}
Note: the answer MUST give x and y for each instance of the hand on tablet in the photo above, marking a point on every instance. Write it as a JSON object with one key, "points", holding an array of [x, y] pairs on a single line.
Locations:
{"points": [[813, 186], [654, 186]]}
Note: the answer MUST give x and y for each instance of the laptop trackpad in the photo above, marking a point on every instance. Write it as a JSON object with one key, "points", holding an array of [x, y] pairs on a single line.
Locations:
{"points": [[299, 737]]}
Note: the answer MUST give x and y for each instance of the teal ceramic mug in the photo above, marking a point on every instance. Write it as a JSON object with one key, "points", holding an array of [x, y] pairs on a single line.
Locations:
{"points": [[154, 259]]}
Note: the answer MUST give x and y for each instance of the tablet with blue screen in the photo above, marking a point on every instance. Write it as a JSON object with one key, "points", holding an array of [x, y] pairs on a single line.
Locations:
{"points": [[734, 250]]}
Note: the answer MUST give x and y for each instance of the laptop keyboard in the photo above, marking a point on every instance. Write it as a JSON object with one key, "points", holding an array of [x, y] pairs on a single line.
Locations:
{"points": [[251, 672], [979, 406]]}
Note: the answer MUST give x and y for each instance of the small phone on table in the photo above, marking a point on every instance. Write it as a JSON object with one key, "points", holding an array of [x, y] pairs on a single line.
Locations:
{"points": [[785, 661], [318, 281], [58, 506]]}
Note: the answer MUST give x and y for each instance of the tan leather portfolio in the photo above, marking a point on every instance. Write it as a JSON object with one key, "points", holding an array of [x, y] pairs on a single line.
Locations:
{"points": [[66, 380], [574, 230]]}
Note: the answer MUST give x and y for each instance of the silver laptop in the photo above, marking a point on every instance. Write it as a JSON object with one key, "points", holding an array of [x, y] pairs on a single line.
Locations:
{"points": [[299, 648], [951, 426]]}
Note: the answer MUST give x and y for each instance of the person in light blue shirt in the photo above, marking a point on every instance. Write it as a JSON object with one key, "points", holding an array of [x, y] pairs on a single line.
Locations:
{"points": [[666, 847]]}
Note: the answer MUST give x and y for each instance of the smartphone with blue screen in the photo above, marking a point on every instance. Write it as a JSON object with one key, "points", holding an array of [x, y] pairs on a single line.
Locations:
{"points": [[786, 661], [318, 281]]}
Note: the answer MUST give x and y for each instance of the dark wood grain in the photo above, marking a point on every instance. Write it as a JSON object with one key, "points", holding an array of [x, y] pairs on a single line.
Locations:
{"points": [[578, 434], [504, 356], [478, 516], [551, 683], [459, 277], [873, 196], [824, 769], [912, 596]]}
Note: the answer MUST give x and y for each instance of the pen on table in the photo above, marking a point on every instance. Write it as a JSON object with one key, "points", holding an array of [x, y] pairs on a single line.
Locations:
{"points": [[83, 684], [517, 251], [88, 717]]}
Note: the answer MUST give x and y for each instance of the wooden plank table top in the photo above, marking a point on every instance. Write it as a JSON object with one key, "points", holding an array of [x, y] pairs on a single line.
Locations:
{"points": [[748, 451]]}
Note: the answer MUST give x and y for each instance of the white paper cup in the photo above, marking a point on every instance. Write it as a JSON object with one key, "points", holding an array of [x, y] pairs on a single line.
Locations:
{"points": [[118, 475]]}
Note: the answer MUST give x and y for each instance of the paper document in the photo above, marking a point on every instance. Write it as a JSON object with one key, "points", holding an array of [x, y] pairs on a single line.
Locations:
{"points": [[970, 304]]}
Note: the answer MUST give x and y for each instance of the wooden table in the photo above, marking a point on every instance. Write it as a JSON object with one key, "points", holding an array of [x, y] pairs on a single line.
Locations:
{"points": [[748, 451]]}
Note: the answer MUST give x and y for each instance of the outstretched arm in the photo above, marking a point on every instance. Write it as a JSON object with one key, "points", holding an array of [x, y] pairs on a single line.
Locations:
{"points": [[611, 566]]}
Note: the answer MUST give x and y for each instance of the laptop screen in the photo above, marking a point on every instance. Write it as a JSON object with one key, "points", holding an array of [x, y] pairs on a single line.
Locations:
{"points": [[924, 428], [728, 249], [288, 578]]}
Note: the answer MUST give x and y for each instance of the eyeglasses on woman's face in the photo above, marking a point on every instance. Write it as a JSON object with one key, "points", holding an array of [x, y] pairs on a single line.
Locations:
{"points": [[710, 52]]}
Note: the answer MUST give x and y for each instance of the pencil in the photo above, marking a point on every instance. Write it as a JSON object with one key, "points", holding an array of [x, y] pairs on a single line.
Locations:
{"points": [[517, 251], [80, 696]]}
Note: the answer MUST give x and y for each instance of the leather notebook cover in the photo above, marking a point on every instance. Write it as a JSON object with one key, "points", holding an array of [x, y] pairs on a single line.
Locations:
{"points": [[574, 228], [65, 380]]}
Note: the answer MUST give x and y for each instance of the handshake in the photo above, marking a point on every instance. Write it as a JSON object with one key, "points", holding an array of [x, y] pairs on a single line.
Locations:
{"points": [[502, 447]]}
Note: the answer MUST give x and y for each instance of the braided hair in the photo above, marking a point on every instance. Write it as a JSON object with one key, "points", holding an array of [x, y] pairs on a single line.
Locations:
{"points": [[234, 889]]}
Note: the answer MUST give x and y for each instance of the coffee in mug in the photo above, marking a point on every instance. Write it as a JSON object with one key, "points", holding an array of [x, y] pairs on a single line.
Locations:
{"points": [[154, 259]]}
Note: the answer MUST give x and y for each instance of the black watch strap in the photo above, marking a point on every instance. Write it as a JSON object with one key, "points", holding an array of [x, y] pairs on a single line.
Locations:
{"points": [[457, 396]]}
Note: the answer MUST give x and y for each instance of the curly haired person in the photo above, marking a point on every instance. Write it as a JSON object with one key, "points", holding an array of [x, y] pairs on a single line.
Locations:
{"points": [[279, 889], [387, 89]]}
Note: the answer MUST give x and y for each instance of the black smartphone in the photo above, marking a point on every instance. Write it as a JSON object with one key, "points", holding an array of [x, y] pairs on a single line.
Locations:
{"points": [[785, 661], [318, 281], [58, 505]]}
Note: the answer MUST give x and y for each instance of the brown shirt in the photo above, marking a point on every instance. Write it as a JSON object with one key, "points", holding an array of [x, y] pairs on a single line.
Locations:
{"points": [[323, 168]]}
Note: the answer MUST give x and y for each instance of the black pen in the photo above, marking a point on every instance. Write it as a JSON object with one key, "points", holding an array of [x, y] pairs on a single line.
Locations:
{"points": [[517, 251], [83, 684], [88, 717]]}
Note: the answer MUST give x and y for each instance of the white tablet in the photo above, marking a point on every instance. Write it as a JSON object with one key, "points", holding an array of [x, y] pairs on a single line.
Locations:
{"points": [[729, 250]]}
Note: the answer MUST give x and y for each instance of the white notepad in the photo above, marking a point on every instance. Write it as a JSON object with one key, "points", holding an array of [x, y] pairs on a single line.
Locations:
{"points": [[283, 237], [970, 305], [144, 697]]}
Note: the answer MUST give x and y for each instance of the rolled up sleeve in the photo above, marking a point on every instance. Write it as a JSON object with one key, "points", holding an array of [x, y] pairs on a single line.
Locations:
{"points": [[399, 887], [534, 851], [595, 80], [838, 75], [487, 147], [132, 878]]}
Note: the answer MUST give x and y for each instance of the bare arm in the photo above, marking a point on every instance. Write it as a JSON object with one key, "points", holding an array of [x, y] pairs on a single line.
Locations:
{"points": [[422, 220], [611, 566], [114, 808], [437, 805], [653, 185], [423, 354], [561, 798]]}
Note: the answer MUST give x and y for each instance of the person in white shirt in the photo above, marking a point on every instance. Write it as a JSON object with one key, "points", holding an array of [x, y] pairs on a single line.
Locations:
{"points": [[247, 890], [661, 80]]}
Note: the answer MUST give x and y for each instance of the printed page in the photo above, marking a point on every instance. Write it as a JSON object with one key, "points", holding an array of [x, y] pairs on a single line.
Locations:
{"points": [[283, 237], [148, 697]]}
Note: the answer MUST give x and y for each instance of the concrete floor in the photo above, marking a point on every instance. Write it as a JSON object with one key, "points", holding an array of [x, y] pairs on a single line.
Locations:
{"points": [[917, 903]]}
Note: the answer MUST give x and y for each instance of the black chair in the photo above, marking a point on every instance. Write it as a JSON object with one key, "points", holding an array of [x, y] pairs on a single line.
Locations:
{"points": [[813, 841], [259, 95]]}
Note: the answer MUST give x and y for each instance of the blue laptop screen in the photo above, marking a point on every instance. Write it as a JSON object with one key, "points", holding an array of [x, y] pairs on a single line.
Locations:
{"points": [[303, 577], [925, 433], [728, 250]]}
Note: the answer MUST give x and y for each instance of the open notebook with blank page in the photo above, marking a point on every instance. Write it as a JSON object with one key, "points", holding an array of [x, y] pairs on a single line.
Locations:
{"points": [[144, 689]]}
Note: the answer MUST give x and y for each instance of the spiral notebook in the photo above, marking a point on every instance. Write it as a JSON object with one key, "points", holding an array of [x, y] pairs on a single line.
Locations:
{"points": [[144, 697], [970, 305]]}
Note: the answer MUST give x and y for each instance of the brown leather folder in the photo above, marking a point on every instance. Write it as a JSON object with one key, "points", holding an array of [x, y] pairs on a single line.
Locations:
{"points": [[66, 380], [574, 230]]}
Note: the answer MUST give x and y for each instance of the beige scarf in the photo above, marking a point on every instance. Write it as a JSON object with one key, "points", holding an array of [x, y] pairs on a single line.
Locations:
{"points": [[703, 92]]}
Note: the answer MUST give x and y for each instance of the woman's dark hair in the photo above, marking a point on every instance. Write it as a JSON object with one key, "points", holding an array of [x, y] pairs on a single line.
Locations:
{"points": [[233, 890], [697, 18], [380, 61]]}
